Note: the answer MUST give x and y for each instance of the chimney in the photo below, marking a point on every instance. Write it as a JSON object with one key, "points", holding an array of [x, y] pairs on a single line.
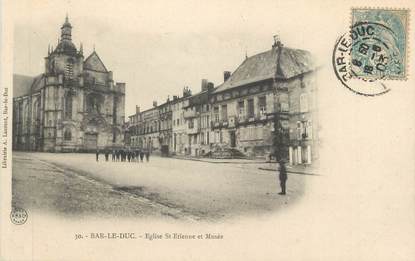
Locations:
{"points": [[175, 97], [204, 85], [187, 92], [137, 109], [210, 86], [154, 103], [226, 75]]}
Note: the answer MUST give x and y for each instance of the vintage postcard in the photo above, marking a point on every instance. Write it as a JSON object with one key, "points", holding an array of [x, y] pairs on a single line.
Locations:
{"points": [[207, 130]]}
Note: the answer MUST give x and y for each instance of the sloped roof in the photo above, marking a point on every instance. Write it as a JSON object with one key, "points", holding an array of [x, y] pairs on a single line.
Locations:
{"points": [[66, 46], [94, 63], [264, 66], [37, 82], [21, 84]]}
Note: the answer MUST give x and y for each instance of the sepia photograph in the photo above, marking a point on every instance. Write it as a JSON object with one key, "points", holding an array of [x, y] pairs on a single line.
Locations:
{"points": [[86, 144], [207, 130]]}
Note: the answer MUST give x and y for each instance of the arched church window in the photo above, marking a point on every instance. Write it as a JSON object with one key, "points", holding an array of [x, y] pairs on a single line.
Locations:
{"points": [[68, 106], [114, 109], [94, 101], [35, 109], [67, 134]]}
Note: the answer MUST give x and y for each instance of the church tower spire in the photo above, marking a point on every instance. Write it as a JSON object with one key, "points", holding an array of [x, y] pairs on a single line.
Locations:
{"points": [[66, 30]]}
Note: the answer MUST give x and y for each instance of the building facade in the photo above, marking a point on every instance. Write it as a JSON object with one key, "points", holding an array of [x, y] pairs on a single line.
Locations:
{"points": [[276, 83], [179, 126], [269, 93], [196, 113], [148, 130], [73, 106], [166, 127]]}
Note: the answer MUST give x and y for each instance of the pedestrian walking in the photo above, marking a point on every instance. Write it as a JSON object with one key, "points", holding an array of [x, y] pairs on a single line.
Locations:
{"points": [[141, 155], [147, 156], [113, 155], [117, 155], [282, 176], [97, 155]]}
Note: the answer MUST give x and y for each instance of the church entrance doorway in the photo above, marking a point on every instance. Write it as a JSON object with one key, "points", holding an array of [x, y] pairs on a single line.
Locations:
{"points": [[91, 141]]}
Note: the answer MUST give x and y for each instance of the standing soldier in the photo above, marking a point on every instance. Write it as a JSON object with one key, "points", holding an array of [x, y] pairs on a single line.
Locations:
{"points": [[97, 154], [141, 155], [132, 155], [283, 176], [137, 155], [129, 155], [147, 156], [106, 154]]}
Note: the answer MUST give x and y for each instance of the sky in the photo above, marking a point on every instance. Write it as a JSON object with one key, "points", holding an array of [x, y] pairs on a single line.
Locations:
{"points": [[158, 47]]}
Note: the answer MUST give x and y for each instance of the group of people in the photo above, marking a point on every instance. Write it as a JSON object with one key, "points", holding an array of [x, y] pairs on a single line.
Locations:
{"points": [[124, 155]]}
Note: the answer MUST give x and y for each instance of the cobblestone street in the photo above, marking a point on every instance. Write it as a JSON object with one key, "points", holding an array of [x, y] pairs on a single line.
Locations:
{"points": [[75, 185]]}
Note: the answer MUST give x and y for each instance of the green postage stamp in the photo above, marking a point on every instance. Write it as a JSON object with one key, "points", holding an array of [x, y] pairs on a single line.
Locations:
{"points": [[379, 43]]}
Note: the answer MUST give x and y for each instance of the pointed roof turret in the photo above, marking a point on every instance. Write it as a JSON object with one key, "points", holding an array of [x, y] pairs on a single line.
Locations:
{"points": [[67, 23], [66, 30], [81, 49], [65, 44]]}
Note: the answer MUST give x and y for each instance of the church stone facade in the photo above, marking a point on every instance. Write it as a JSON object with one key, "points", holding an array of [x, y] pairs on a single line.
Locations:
{"points": [[75, 105]]}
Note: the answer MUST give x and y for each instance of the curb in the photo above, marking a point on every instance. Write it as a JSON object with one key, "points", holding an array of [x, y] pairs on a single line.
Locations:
{"points": [[293, 172], [222, 162]]}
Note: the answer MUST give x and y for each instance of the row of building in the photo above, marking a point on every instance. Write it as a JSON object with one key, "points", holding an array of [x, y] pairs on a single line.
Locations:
{"points": [[238, 117], [75, 105]]}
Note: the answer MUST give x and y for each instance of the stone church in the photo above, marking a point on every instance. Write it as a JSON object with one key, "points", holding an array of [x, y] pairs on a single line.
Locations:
{"points": [[73, 106]]}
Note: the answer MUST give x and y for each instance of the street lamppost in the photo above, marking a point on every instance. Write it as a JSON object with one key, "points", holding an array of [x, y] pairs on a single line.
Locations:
{"points": [[280, 140]]}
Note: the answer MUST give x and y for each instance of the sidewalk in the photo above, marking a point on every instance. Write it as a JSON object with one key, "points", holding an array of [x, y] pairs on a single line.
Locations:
{"points": [[295, 169], [262, 164], [227, 161]]}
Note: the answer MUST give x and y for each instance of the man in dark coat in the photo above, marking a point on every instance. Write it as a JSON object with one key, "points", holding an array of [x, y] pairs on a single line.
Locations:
{"points": [[129, 155], [137, 155], [282, 176], [147, 156], [106, 155], [97, 154], [141, 155]]}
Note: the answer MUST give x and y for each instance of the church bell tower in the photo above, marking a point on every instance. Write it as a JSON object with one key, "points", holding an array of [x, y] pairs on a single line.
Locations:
{"points": [[65, 58]]}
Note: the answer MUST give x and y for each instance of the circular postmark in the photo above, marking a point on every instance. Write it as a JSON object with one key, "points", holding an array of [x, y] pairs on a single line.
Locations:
{"points": [[18, 216], [374, 52], [361, 59]]}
